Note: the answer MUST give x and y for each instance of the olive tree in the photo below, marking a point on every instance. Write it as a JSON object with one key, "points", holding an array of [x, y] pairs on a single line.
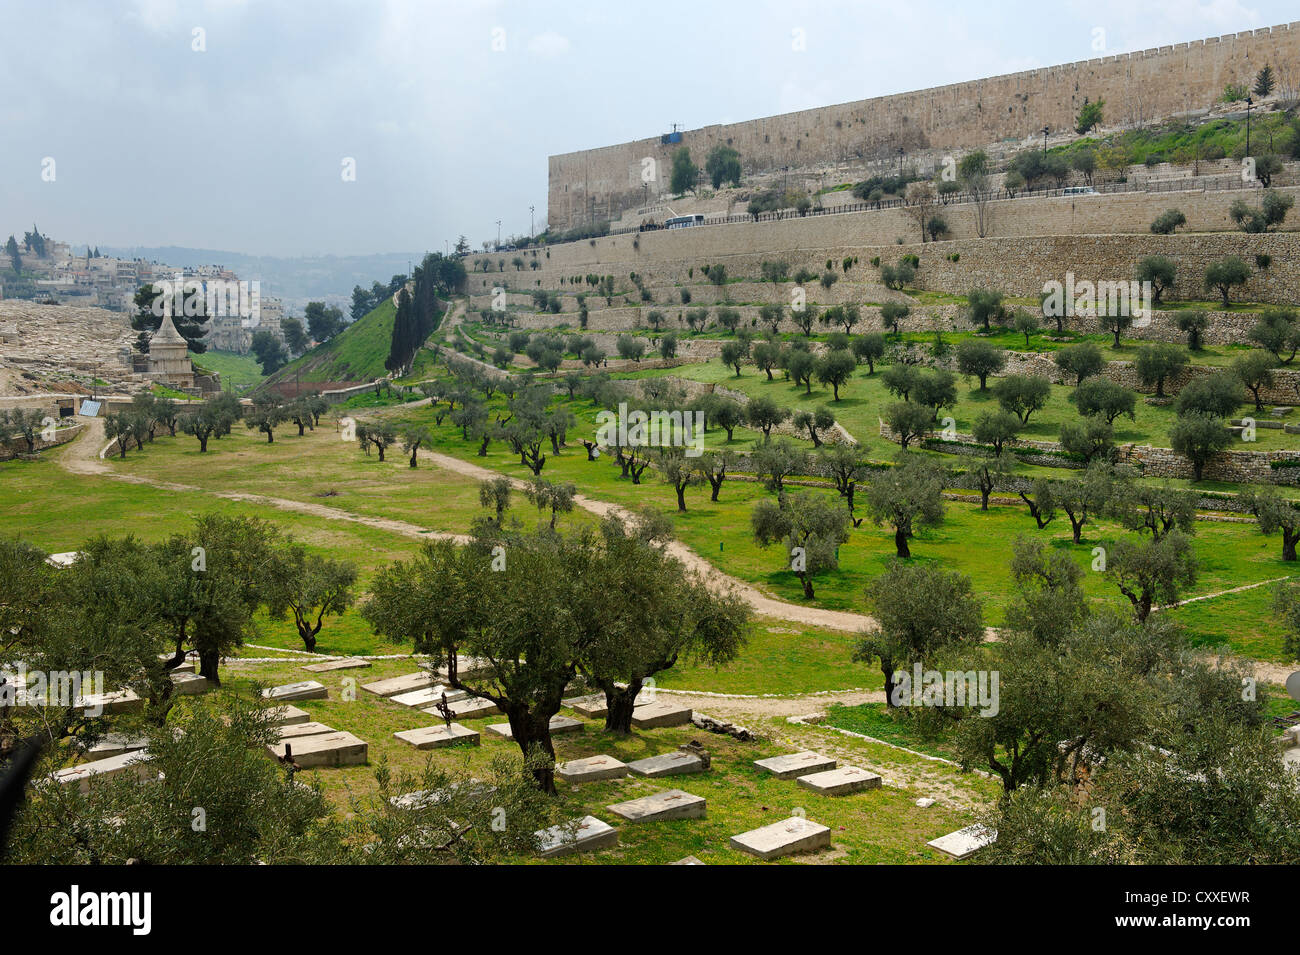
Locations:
{"points": [[1157, 363], [907, 497], [1198, 437], [1147, 571], [1274, 513], [920, 610], [809, 527], [980, 358], [310, 587]]}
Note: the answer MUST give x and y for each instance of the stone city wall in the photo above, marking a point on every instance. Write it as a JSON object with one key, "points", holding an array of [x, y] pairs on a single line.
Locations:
{"points": [[1140, 87], [1037, 240]]}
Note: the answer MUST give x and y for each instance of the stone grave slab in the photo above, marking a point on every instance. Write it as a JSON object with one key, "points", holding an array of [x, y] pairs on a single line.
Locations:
{"points": [[110, 767], [324, 749], [675, 763], [303, 690], [964, 843], [559, 725], [591, 834], [187, 665], [116, 744], [431, 797], [427, 696], [188, 684], [309, 728], [687, 860], [794, 765], [347, 663], [286, 715], [787, 837], [660, 713], [591, 768], [418, 799], [467, 667], [839, 782], [400, 684], [593, 707], [116, 701], [470, 708], [436, 737], [669, 804]]}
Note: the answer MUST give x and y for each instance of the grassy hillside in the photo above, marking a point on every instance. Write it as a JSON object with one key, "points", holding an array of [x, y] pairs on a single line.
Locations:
{"points": [[241, 371], [355, 354], [1213, 139]]}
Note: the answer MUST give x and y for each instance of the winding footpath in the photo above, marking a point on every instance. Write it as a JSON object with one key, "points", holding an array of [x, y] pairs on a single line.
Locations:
{"points": [[85, 455], [761, 603]]}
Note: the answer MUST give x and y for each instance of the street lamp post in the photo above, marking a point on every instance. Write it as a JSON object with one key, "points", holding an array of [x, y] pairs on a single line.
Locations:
{"points": [[1249, 103], [900, 162], [1045, 129]]}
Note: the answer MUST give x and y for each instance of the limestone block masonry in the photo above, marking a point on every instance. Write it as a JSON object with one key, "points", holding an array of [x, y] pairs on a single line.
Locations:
{"points": [[1137, 87], [1100, 238]]}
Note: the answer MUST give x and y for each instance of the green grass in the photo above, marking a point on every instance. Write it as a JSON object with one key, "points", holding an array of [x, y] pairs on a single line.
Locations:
{"points": [[319, 468], [1245, 621], [59, 511], [780, 658], [357, 353], [1176, 142], [877, 826], [864, 401], [975, 543], [239, 371], [876, 721]]}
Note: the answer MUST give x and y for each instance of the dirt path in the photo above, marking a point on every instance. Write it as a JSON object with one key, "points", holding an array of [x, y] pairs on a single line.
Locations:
{"points": [[754, 710], [84, 457], [760, 602]]}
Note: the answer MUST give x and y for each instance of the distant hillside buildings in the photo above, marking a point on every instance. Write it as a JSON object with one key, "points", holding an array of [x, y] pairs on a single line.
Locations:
{"points": [[67, 278]]}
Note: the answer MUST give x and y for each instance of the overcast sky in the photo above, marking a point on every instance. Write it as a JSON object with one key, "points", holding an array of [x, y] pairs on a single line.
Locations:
{"points": [[450, 109]]}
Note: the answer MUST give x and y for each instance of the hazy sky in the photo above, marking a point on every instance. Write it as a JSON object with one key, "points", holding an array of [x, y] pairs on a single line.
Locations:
{"points": [[450, 109]]}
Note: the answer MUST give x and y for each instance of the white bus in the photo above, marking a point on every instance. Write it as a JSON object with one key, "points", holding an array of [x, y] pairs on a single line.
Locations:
{"points": [[683, 222]]}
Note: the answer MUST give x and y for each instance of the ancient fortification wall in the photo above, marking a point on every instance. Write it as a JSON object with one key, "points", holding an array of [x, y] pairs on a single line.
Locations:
{"points": [[1138, 88], [1026, 250]]}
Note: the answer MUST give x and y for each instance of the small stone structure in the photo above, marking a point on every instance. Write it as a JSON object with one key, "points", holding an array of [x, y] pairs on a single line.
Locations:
{"points": [[303, 690], [169, 357]]}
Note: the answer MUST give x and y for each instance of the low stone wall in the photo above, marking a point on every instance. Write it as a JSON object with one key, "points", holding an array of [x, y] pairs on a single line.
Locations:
{"points": [[1073, 234], [1052, 454], [1285, 389], [18, 446], [1225, 328], [699, 389], [340, 395], [1240, 467]]}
